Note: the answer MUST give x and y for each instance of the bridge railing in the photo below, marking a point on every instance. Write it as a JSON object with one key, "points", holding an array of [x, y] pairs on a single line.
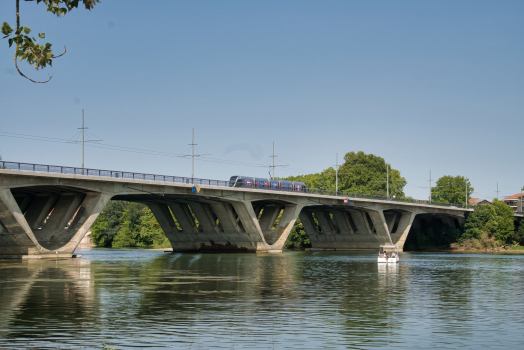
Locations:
{"points": [[177, 179]]}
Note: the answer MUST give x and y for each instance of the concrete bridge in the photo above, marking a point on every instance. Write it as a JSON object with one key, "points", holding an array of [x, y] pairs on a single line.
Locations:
{"points": [[45, 211]]}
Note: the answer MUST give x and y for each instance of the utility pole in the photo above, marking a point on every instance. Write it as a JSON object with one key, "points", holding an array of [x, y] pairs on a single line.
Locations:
{"points": [[387, 180], [498, 190], [466, 193], [83, 140], [430, 186], [193, 155], [273, 159], [521, 199], [336, 177], [274, 166]]}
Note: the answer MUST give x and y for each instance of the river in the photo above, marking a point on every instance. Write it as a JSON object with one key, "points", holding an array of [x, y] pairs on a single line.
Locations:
{"points": [[130, 298]]}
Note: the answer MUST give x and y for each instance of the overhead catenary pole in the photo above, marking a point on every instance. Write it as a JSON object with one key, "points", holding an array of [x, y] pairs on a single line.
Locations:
{"points": [[336, 176], [274, 166], [429, 186], [192, 153], [83, 141], [387, 180], [466, 193], [521, 199]]}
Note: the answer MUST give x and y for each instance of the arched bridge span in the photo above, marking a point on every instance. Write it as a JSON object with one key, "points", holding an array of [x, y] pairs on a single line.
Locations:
{"points": [[47, 214]]}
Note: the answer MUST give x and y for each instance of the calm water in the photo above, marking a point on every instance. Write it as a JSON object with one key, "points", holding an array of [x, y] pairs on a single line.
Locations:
{"points": [[307, 300]]}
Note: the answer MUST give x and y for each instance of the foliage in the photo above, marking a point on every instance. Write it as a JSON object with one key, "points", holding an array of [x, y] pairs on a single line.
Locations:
{"points": [[505, 219], [435, 235], [124, 224], [519, 234], [27, 47], [494, 220], [130, 227], [108, 223], [451, 189], [360, 173], [151, 234], [298, 238]]}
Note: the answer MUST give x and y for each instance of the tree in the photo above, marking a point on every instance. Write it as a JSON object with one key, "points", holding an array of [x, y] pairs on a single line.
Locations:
{"points": [[360, 173], [505, 219], [496, 220], [108, 223], [151, 234], [28, 48], [129, 232], [298, 238], [451, 189]]}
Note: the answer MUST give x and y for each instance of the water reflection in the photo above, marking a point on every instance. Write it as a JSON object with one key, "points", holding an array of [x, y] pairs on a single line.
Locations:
{"points": [[137, 298]]}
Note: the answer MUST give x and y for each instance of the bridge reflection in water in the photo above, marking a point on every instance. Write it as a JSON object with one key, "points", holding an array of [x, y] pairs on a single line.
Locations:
{"points": [[138, 298]]}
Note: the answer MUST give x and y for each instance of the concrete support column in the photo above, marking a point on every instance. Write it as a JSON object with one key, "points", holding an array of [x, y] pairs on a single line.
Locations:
{"points": [[399, 237], [226, 217], [165, 220], [249, 220], [391, 219], [308, 223], [16, 237], [269, 216], [380, 225], [39, 208], [277, 238], [342, 222], [90, 208], [324, 220], [183, 217], [63, 211], [361, 222], [204, 217]]}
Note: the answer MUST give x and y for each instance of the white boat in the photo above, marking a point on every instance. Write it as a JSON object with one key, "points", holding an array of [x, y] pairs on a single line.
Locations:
{"points": [[391, 252]]}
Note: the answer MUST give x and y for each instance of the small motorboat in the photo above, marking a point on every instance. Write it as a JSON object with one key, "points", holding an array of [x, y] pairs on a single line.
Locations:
{"points": [[388, 254]]}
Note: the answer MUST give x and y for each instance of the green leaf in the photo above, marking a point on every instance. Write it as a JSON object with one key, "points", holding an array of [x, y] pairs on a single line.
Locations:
{"points": [[49, 55], [41, 35], [10, 42], [6, 28], [27, 30]]}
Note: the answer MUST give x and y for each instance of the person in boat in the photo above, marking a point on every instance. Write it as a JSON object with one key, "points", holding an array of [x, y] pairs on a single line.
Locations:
{"points": [[393, 255], [385, 255]]}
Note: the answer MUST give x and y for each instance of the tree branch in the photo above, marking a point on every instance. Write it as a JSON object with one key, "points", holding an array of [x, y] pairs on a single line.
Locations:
{"points": [[22, 74], [16, 50], [61, 53]]}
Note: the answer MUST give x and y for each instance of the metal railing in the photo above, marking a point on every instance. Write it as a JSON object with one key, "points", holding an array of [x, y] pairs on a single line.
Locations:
{"points": [[221, 183]]}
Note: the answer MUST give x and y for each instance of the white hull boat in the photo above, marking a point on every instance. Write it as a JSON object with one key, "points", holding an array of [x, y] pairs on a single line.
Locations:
{"points": [[388, 254]]}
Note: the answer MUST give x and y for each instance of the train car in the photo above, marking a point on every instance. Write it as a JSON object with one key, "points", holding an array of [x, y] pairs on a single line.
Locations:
{"points": [[257, 182]]}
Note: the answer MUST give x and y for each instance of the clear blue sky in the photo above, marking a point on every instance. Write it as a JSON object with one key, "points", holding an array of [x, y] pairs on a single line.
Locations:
{"points": [[424, 84]]}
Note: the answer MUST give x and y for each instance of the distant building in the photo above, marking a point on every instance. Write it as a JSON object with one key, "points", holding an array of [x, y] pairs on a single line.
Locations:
{"points": [[476, 201], [515, 201]]}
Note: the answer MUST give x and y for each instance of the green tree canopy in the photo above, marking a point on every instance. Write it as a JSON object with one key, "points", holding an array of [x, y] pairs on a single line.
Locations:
{"points": [[496, 220], [108, 223], [360, 173], [451, 189]]}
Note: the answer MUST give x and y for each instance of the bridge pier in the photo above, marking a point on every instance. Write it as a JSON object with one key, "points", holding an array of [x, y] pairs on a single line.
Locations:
{"points": [[43, 231], [354, 228]]}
